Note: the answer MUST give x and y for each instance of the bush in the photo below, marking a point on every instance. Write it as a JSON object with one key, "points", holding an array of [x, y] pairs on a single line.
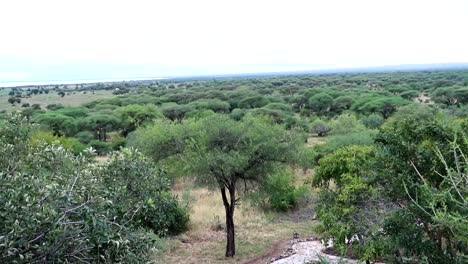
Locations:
{"points": [[143, 192], [176, 112], [373, 121], [345, 124], [36, 106], [60, 208], [118, 142], [54, 107], [72, 144], [338, 141], [237, 114], [320, 127], [409, 94], [279, 106], [320, 103], [85, 136], [101, 147], [279, 192]]}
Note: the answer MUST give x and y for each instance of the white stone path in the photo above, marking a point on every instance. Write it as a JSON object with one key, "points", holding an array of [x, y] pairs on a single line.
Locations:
{"points": [[308, 251]]}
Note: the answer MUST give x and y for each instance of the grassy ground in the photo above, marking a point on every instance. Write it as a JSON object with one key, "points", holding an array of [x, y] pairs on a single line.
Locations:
{"points": [[76, 99], [257, 231]]}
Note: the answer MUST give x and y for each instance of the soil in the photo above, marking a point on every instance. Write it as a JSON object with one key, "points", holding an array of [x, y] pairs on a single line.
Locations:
{"points": [[276, 250]]}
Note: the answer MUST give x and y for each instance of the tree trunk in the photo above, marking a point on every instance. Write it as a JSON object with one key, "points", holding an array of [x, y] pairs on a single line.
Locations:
{"points": [[229, 208]]}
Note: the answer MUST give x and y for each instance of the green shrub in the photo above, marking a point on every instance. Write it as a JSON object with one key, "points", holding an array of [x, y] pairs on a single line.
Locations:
{"points": [[320, 127], [101, 147], [345, 124], [279, 106], [238, 114], [143, 192], [338, 141], [56, 207], [199, 114], [279, 192], [53, 107], [85, 136], [409, 94], [72, 144], [118, 142], [373, 121]]}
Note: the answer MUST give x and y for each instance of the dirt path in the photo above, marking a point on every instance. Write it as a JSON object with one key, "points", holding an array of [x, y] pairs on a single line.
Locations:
{"points": [[298, 252], [308, 251], [276, 250]]}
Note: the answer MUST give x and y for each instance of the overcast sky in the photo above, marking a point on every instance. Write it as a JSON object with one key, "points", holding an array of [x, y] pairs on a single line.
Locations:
{"points": [[87, 39]]}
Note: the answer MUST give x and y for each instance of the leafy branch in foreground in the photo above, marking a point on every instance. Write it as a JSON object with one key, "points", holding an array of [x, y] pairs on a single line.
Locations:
{"points": [[56, 207]]}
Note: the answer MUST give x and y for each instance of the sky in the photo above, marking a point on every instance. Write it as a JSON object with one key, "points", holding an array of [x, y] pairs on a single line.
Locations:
{"points": [[91, 39]]}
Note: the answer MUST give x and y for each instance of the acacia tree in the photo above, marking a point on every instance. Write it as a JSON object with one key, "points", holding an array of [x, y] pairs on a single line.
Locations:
{"points": [[133, 116], [230, 153], [320, 103], [58, 123], [225, 154], [101, 124]]}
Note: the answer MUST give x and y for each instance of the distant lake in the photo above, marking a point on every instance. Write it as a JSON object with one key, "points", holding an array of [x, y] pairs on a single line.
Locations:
{"points": [[59, 82]]}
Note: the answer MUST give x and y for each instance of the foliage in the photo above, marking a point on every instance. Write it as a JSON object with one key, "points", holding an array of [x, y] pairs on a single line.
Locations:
{"points": [[84, 136], [279, 191], [54, 106], [402, 198], [71, 144], [346, 123], [409, 94], [385, 106], [118, 142], [143, 193], [176, 112], [349, 211], [56, 207], [100, 147], [320, 103], [320, 127], [58, 123], [451, 95], [373, 121], [220, 152], [419, 145], [133, 116], [161, 140]]}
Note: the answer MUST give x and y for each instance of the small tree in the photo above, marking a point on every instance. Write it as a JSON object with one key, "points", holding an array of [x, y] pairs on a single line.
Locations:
{"points": [[228, 153], [320, 103], [320, 127], [58, 123], [13, 100], [222, 153]]}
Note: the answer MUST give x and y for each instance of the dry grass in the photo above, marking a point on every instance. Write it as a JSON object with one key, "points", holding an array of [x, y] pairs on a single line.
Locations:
{"points": [[76, 99], [314, 141], [256, 231]]}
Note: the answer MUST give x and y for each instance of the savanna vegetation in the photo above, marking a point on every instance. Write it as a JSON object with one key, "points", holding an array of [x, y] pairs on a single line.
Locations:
{"points": [[379, 158]]}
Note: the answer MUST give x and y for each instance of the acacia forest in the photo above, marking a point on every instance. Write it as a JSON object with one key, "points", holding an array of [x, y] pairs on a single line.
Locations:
{"points": [[222, 170]]}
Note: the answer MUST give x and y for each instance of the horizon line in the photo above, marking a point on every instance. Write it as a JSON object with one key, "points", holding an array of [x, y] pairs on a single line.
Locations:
{"points": [[343, 70]]}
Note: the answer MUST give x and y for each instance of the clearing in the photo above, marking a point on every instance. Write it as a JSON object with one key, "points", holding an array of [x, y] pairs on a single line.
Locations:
{"points": [[70, 99]]}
